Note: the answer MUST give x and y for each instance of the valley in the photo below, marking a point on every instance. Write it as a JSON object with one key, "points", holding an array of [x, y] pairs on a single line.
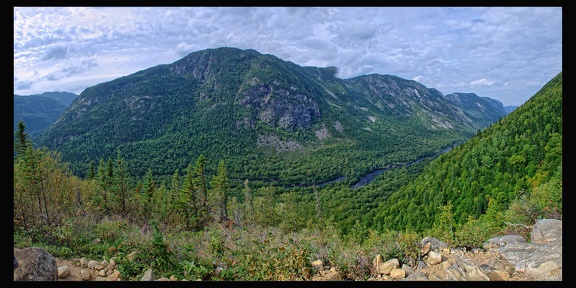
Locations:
{"points": [[215, 160]]}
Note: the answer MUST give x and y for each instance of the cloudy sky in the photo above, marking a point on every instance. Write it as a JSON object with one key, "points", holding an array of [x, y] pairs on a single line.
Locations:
{"points": [[505, 53]]}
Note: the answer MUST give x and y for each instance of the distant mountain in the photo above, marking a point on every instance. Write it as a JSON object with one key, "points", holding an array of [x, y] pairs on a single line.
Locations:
{"points": [[268, 118], [37, 112], [510, 108], [483, 110], [65, 98]]}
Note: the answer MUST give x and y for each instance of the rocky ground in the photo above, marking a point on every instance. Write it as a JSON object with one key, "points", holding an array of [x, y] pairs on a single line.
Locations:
{"points": [[504, 258], [480, 258]]}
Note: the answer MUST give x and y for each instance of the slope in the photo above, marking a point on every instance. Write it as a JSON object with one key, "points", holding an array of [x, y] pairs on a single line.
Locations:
{"points": [[494, 168]]}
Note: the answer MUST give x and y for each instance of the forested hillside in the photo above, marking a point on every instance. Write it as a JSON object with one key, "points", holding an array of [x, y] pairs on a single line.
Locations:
{"points": [[500, 167], [271, 120], [38, 112]]}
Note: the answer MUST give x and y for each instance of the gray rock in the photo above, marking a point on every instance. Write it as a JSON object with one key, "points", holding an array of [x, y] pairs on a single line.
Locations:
{"points": [[539, 261], [546, 230], [148, 276], [435, 243], [506, 239], [35, 264]]}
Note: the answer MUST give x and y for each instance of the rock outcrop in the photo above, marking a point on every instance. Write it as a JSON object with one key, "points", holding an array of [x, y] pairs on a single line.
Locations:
{"points": [[505, 258]]}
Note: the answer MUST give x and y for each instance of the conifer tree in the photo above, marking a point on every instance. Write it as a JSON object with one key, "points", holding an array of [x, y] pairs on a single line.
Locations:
{"points": [[220, 187], [248, 204], [103, 182], [149, 188], [121, 180], [188, 199], [201, 181], [22, 141]]}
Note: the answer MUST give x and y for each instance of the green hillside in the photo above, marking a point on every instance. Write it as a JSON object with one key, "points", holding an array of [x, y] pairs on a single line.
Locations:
{"points": [[503, 163], [37, 112]]}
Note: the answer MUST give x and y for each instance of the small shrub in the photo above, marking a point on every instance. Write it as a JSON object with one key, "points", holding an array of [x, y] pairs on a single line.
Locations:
{"points": [[109, 230], [409, 242]]}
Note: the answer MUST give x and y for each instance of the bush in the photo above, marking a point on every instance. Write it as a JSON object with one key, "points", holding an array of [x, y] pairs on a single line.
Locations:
{"points": [[472, 234], [409, 243]]}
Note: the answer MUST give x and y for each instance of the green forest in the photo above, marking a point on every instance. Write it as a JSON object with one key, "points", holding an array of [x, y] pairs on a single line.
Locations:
{"points": [[208, 214]]}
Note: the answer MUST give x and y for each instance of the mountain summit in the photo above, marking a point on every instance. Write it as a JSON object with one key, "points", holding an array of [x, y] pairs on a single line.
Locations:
{"points": [[268, 118]]}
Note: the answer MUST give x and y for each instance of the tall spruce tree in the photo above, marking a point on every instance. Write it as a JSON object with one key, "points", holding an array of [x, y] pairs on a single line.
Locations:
{"points": [[220, 187]]}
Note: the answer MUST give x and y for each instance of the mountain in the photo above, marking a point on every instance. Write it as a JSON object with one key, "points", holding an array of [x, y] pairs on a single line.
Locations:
{"points": [[269, 119], [37, 112], [482, 109], [63, 97], [510, 108], [512, 160]]}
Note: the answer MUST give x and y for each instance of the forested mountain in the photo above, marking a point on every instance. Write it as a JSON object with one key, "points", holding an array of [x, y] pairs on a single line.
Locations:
{"points": [[510, 108], [269, 119], [40, 111], [37, 112], [482, 109], [65, 98], [517, 158]]}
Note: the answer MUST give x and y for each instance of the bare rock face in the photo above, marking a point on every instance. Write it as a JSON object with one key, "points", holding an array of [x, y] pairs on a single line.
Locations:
{"points": [[281, 107], [542, 258], [35, 264]]}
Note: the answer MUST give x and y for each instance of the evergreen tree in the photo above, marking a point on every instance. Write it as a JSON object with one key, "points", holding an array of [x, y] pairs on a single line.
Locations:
{"points": [[220, 187], [149, 188], [22, 141], [175, 186], [91, 171], [202, 187], [121, 180], [188, 198]]}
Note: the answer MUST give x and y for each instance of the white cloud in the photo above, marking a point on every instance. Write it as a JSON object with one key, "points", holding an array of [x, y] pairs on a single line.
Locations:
{"points": [[438, 45], [482, 82]]}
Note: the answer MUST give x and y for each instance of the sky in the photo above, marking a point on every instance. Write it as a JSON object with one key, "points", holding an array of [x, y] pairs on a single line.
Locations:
{"points": [[505, 53]]}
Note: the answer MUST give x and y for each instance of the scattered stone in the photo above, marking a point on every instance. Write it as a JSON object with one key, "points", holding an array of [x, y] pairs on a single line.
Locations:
{"points": [[84, 275], [63, 271], [148, 276]]}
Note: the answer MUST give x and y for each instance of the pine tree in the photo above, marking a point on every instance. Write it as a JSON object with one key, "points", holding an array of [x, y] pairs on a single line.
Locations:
{"points": [[175, 186], [202, 187], [149, 188], [22, 141], [91, 171], [220, 187], [121, 181], [188, 199]]}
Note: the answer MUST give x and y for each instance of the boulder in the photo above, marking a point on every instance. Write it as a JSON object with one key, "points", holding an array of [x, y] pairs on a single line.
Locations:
{"points": [[35, 264]]}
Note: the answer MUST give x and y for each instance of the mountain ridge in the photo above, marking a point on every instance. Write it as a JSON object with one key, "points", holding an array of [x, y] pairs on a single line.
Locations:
{"points": [[225, 101]]}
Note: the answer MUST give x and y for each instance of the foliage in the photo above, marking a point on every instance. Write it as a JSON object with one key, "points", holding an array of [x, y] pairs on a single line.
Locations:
{"points": [[503, 163], [409, 242], [510, 173]]}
